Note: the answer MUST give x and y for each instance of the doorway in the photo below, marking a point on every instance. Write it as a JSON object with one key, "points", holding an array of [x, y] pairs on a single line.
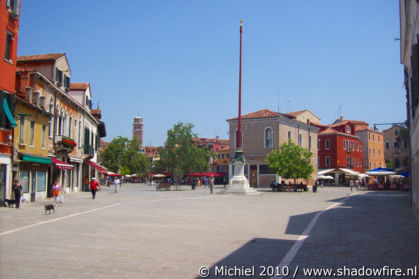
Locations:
{"points": [[3, 182], [253, 181]]}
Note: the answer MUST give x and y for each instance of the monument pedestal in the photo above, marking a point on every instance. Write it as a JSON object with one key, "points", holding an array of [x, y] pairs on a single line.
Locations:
{"points": [[238, 183]]}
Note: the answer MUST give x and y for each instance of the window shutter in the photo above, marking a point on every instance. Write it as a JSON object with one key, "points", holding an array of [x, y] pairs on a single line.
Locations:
{"points": [[86, 136]]}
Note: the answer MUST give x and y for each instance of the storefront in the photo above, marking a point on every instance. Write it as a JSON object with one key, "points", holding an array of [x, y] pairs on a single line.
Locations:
{"points": [[33, 176]]}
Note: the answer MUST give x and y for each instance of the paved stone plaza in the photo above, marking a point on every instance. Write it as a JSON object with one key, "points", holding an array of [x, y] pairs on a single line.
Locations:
{"points": [[143, 233]]}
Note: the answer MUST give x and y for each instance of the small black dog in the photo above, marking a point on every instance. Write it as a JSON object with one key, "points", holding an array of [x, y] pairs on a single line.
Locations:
{"points": [[10, 203], [49, 207]]}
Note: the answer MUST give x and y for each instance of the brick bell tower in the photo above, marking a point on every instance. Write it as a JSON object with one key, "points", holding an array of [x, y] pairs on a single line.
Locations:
{"points": [[137, 130]]}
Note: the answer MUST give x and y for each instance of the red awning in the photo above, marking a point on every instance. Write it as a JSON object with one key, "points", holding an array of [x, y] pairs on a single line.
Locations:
{"points": [[61, 165], [101, 169]]}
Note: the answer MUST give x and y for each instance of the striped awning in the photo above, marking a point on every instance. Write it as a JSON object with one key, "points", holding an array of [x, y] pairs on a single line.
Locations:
{"points": [[61, 165]]}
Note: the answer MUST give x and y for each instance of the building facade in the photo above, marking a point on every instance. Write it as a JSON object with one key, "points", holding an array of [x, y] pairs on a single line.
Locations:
{"points": [[264, 131], [397, 148], [67, 132], [373, 148], [340, 147], [9, 31], [409, 57]]}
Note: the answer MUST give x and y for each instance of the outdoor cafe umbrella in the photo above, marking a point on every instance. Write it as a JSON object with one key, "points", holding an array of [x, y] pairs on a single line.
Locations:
{"points": [[381, 172], [325, 177]]}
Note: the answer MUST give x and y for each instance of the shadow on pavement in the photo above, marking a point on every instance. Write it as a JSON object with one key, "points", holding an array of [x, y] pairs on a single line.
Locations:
{"points": [[371, 230]]}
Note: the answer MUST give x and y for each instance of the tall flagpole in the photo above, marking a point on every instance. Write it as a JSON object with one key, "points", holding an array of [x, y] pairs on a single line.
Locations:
{"points": [[239, 132], [239, 184]]}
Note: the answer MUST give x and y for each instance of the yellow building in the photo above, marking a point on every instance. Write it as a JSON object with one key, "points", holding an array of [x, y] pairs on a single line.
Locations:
{"points": [[373, 142], [222, 159], [31, 161]]}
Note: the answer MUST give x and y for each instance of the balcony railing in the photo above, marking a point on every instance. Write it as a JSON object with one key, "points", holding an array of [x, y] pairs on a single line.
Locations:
{"points": [[89, 150]]}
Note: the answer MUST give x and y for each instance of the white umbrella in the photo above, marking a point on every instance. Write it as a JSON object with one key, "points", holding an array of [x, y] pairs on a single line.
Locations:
{"points": [[159, 175], [325, 177], [380, 173]]}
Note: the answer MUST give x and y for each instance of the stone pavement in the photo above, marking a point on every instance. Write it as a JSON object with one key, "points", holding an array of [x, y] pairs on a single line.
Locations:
{"points": [[143, 233]]}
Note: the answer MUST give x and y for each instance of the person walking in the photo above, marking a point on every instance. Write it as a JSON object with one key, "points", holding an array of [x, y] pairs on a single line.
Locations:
{"points": [[56, 190], [94, 185], [18, 192], [117, 182], [211, 183]]}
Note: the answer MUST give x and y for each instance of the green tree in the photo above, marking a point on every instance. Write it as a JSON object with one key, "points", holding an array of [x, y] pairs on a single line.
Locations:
{"points": [[291, 161], [181, 154], [123, 155]]}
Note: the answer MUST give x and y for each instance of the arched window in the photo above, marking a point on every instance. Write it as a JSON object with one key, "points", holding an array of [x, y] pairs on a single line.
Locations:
{"points": [[300, 140], [289, 135], [268, 137]]}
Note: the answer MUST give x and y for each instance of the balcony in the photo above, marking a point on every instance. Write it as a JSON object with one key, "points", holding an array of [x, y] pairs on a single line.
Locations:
{"points": [[89, 151], [64, 144]]}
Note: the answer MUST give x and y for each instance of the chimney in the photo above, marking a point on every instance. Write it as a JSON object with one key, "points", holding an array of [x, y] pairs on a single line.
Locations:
{"points": [[341, 118], [42, 102], [28, 95], [35, 99]]}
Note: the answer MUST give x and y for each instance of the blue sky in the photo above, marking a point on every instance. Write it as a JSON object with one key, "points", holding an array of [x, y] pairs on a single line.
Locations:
{"points": [[170, 61]]}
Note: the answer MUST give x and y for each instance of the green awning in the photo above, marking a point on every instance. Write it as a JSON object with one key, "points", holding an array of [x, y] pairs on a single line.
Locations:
{"points": [[36, 159], [8, 113]]}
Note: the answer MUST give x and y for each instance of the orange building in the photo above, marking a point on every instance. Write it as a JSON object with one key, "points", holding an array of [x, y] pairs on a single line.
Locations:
{"points": [[9, 29]]}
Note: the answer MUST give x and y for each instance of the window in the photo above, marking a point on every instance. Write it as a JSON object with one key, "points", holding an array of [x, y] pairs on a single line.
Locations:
{"points": [[348, 129], [69, 126], [357, 162], [13, 5], [268, 138], [378, 138], [289, 135], [327, 161], [373, 152], [405, 143], [24, 180], [300, 140], [396, 132], [327, 144], [222, 156], [64, 126], [379, 152], [370, 166], [387, 145], [352, 146], [344, 144], [32, 134], [369, 136], [22, 130], [58, 76], [9, 46], [357, 146], [79, 132], [66, 81], [348, 161], [373, 137], [369, 152], [43, 136], [41, 181], [396, 144], [264, 169]]}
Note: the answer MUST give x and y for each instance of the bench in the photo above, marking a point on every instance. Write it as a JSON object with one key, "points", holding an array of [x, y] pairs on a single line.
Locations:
{"points": [[165, 186]]}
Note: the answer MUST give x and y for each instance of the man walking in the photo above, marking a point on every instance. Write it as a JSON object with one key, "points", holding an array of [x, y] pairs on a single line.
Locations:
{"points": [[117, 182], [93, 187]]}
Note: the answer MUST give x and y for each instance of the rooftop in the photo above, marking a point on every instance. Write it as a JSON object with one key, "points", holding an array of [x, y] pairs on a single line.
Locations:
{"points": [[79, 85], [39, 57]]}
